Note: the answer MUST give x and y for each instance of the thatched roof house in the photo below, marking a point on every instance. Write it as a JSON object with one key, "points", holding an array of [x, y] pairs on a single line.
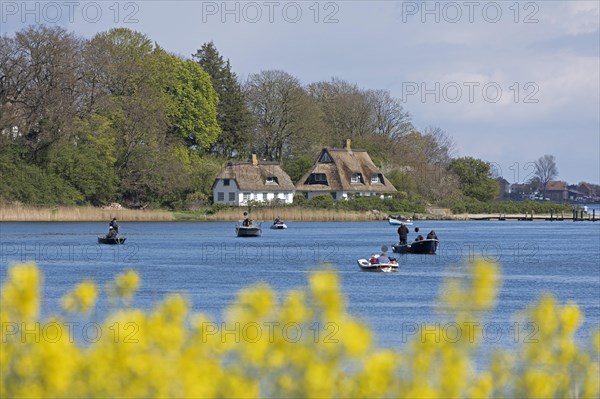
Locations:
{"points": [[343, 173], [241, 182]]}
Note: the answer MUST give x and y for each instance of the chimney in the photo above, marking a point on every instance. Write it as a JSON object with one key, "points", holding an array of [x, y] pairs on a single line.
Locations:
{"points": [[254, 160], [348, 144]]}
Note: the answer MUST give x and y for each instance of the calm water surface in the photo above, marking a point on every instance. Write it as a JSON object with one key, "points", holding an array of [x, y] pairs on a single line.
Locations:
{"points": [[210, 264]]}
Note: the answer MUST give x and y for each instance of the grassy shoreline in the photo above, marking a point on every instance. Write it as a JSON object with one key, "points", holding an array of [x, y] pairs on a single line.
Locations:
{"points": [[23, 213]]}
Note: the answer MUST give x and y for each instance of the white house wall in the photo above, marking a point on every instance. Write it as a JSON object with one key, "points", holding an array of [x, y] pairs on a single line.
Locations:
{"points": [[242, 198], [344, 195], [226, 190]]}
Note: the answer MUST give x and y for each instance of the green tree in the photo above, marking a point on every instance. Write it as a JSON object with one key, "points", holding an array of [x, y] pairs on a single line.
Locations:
{"points": [[192, 111], [475, 178], [296, 167], [233, 118]]}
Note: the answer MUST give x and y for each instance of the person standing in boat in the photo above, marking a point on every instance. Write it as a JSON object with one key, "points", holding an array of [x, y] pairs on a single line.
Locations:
{"points": [[403, 233], [432, 235], [247, 221], [114, 227]]}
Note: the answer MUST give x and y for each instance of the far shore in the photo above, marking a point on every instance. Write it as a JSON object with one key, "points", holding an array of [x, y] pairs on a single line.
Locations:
{"points": [[23, 213]]}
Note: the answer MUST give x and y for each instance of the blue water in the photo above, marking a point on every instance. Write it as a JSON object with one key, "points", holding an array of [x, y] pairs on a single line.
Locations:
{"points": [[208, 263]]}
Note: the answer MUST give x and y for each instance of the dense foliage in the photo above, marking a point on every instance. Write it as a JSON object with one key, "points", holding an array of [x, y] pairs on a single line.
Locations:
{"points": [[118, 118], [305, 344]]}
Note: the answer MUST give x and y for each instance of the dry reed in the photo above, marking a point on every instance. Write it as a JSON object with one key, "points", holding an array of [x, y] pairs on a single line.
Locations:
{"points": [[22, 213]]}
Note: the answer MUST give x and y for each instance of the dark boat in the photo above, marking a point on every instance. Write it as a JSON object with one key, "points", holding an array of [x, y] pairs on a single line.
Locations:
{"points": [[254, 230], [427, 246], [111, 240]]}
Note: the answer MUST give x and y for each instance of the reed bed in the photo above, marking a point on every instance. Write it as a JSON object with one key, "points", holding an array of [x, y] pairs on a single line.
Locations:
{"points": [[291, 214], [22, 213]]}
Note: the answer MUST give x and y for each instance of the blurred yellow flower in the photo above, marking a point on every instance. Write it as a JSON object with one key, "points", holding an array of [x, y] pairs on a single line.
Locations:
{"points": [[81, 299], [308, 346]]}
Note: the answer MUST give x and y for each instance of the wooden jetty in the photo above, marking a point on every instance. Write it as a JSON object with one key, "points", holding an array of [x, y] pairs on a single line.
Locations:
{"points": [[576, 216]]}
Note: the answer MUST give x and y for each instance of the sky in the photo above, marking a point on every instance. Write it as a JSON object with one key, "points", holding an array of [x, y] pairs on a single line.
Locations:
{"points": [[508, 81]]}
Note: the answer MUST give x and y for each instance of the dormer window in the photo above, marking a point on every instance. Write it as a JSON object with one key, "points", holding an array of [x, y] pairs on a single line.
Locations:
{"points": [[317, 178], [376, 178], [271, 180], [356, 178], [225, 182], [325, 158]]}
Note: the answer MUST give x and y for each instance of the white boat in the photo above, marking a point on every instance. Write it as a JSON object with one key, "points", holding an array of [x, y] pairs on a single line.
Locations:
{"points": [[278, 225], [373, 265], [253, 230], [397, 222]]}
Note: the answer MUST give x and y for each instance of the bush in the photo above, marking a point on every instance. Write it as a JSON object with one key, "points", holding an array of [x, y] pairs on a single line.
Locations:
{"points": [[170, 352]]}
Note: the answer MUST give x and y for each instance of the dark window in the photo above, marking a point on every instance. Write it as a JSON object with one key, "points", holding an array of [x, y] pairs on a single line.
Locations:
{"points": [[272, 180], [317, 178], [225, 182], [325, 158]]}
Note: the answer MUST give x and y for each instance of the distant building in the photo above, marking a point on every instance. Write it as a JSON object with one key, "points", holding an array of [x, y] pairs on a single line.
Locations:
{"points": [[241, 182], [344, 173], [587, 190], [557, 191], [521, 191]]}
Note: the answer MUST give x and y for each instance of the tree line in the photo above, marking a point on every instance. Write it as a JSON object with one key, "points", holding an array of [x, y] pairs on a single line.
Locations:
{"points": [[119, 118]]}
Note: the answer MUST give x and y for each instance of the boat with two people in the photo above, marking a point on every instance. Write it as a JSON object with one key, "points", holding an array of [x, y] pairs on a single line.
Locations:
{"points": [[248, 227], [379, 262], [421, 245], [278, 224], [112, 236]]}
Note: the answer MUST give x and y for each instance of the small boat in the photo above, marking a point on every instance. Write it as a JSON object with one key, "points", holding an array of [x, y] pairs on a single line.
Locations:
{"points": [[373, 265], [253, 230], [111, 240], [278, 225], [398, 221], [427, 246]]}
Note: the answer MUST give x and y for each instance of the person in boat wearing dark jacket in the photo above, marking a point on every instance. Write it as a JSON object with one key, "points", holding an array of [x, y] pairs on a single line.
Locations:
{"points": [[112, 233], [419, 236], [247, 221], [432, 235], [113, 228], [403, 233]]}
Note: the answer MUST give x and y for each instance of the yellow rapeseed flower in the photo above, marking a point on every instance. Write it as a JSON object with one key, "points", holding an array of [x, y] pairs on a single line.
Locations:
{"points": [[81, 299], [126, 284], [20, 294], [309, 346]]}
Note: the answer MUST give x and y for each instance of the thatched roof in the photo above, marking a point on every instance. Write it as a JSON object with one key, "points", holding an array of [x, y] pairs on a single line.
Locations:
{"points": [[344, 163], [251, 176]]}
